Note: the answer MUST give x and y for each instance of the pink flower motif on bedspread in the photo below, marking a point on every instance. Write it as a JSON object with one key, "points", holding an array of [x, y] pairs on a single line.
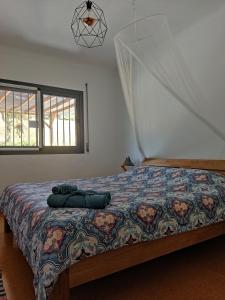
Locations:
{"points": [[36, 217], [179, 188], [146, 213], [201, 178], [54, 239], [208, 202], [180, 207], [26, 206], [105, 221], [175, 174]]}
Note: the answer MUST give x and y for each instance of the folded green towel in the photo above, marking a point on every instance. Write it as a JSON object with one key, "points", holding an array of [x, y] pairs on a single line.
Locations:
{"points": [[64, 189], [80, 199]]}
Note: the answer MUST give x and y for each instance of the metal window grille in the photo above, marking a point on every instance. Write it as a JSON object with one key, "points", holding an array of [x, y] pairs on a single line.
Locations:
{"points": [[18, 117], [59, 121]]}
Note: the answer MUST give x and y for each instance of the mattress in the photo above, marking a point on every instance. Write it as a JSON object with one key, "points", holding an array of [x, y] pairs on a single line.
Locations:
{"points": [[147, 203]]}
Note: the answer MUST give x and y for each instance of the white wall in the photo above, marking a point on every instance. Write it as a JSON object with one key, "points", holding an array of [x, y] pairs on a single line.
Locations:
{"points": [[106, 110], [203, 47]]}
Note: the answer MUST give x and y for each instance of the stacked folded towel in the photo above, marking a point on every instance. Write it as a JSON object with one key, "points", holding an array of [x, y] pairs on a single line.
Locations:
{"points": [[64, 189], [70, 196]]}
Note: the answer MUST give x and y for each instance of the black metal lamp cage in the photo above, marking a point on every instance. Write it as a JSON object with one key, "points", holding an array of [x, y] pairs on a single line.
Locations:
{"points": [[89, 25]]}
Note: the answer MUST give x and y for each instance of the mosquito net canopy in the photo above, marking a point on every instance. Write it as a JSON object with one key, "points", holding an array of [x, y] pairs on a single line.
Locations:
{"points": [[167, 110]]}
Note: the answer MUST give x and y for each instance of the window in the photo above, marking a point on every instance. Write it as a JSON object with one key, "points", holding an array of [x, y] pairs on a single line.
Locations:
{"points": [[41, 119]]}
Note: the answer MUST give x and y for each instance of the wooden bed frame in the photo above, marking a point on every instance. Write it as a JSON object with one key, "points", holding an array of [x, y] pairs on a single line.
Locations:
{"points": [[116, 260]]}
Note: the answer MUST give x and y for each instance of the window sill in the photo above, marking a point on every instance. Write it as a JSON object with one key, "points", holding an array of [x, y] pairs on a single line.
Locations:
{"points": [[45, 150]]}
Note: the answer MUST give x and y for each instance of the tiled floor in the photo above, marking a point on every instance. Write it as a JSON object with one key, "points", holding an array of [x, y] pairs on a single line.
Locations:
{"points": [[196, 273]]}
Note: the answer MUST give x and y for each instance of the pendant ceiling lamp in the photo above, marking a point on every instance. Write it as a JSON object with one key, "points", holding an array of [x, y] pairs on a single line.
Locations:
{"points": [[89, 25]]}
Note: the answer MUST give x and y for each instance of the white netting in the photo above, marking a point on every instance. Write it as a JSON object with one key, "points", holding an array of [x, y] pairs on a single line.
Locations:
{"points": [[165, 106]]}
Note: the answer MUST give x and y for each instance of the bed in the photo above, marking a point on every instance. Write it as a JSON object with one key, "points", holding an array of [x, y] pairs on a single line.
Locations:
{"points": [[158, 208]]}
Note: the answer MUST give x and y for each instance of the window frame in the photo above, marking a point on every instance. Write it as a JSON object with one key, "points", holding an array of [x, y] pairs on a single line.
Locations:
{"points": [[54, 91]]}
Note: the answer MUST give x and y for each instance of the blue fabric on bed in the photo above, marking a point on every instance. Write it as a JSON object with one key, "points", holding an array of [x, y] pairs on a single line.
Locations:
{"points": [[147, 203], [64, 189], [80, 199]]}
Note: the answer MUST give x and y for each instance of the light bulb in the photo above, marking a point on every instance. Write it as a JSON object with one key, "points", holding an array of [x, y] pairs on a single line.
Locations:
{"points": [[89, 21]]}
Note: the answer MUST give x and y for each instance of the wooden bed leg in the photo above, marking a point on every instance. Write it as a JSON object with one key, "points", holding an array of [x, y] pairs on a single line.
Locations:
{"points": [[6, 227], [61, 290]]}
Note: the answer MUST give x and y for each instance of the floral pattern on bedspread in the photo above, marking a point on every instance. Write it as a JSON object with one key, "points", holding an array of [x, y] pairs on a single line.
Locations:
{"points": [[147, 203]]}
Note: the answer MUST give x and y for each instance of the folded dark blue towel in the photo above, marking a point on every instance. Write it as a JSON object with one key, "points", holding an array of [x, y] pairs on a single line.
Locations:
{"points": [[80, 199], [64, 189]]}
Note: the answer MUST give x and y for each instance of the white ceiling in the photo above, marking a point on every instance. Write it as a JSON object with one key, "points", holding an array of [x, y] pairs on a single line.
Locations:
{"points": [[44, 25]]}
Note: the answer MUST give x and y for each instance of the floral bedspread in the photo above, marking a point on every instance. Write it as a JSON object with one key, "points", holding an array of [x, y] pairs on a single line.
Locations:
{"points": [[147, 203]]}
